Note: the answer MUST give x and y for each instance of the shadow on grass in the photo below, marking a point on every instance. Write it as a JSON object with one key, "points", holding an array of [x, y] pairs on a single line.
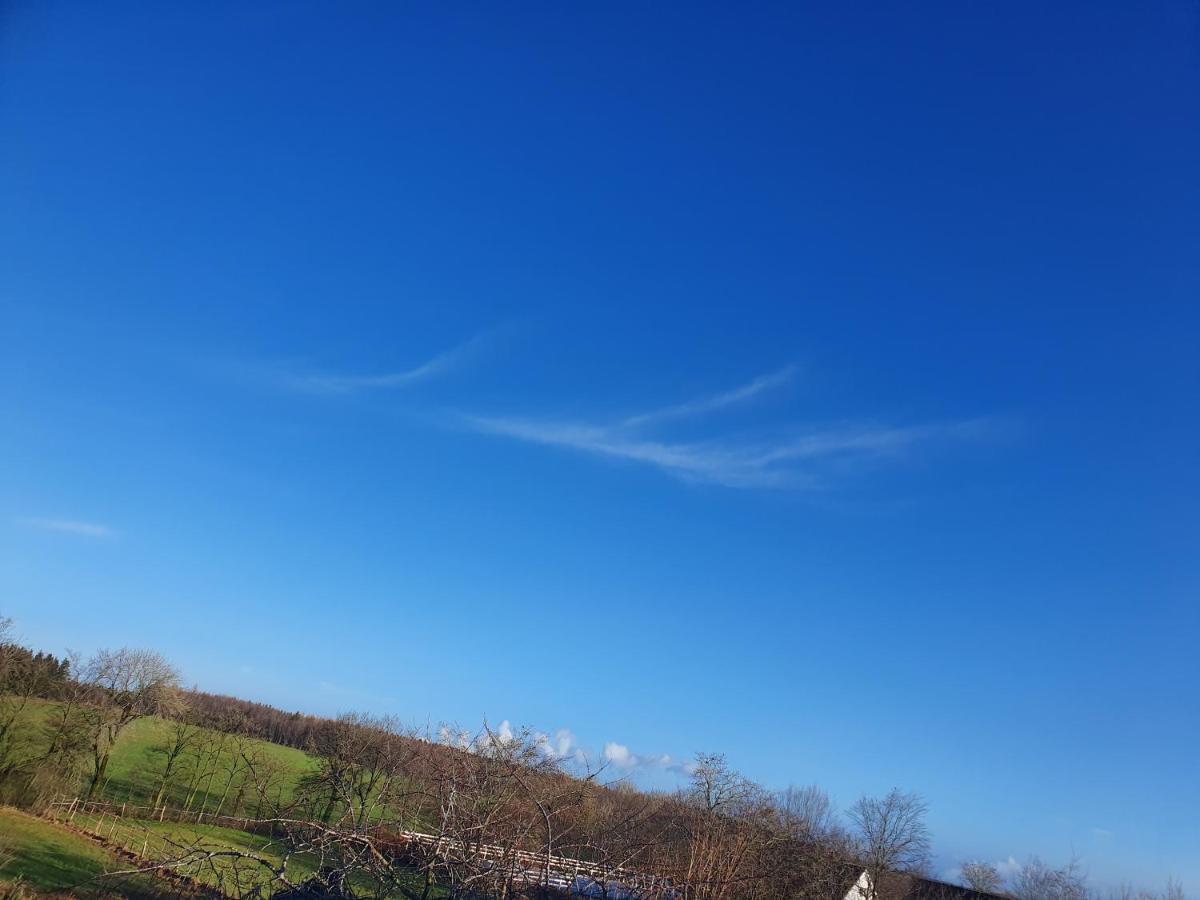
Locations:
{"points": [[47, 858]]}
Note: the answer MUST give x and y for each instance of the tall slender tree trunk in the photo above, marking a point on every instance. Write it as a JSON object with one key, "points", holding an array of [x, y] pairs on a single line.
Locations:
{"points": [[101, 766], [233, 773]]}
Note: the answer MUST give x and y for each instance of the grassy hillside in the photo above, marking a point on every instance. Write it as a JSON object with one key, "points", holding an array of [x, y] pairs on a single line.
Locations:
{"points": [[136, 766], [160, 840], [47, 857], [54, 856], [137, 762]]}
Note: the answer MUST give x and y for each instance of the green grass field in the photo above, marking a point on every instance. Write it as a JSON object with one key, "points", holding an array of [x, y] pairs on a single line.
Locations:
{"points": [[135, 766], [46, 857], [162, 840]]}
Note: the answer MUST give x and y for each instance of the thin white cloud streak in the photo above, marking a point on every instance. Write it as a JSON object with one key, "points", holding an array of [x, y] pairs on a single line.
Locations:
{"points": [[714, 402], [439, 365], [69, 526], [789, 458], [732, 462]]}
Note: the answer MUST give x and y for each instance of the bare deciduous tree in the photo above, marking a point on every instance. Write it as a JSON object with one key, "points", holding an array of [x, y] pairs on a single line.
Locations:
{"points": [[67, 736], [890, 835], [806, 812], [1038, 881], [126, 685], [363, 759], [982, 876], [715, 786], [181, 737]]}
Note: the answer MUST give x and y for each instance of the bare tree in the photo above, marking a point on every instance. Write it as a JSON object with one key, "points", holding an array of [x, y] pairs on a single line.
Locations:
{"points": [[126, 685], [715, 785], [1126, 891], [806, 813], [67, 738], [890, 835], [180, 739], [724, 837], [17, 688], [1038, 881], [617, 828], [487, 813], [982, 876], [203, 756], [266, 776], [363, 759]]}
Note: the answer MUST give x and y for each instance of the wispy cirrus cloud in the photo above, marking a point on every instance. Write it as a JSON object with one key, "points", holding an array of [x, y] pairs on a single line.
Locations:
{"points": [[68, 526], [788, 457], [302, 377], [715, 402], [329, 383]]}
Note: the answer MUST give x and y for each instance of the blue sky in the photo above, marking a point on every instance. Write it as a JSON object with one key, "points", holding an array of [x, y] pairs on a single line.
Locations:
{"points": [[815, 384]]}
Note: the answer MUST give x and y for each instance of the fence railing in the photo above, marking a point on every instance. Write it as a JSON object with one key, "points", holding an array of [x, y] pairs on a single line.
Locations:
{"points": [[74, 807], [126, 824]]}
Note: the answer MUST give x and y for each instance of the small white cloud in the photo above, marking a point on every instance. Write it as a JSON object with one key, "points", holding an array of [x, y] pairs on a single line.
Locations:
{"points": [[1008, 867], [561, 746], [504, 734], [619, 756], [1102, 833], [454, 737], [69, 526], [487, 738], [685, 767], [564, 742]]}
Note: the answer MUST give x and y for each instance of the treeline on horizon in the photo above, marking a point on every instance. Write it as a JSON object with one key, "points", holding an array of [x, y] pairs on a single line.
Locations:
{"points": [[719, 836]]}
